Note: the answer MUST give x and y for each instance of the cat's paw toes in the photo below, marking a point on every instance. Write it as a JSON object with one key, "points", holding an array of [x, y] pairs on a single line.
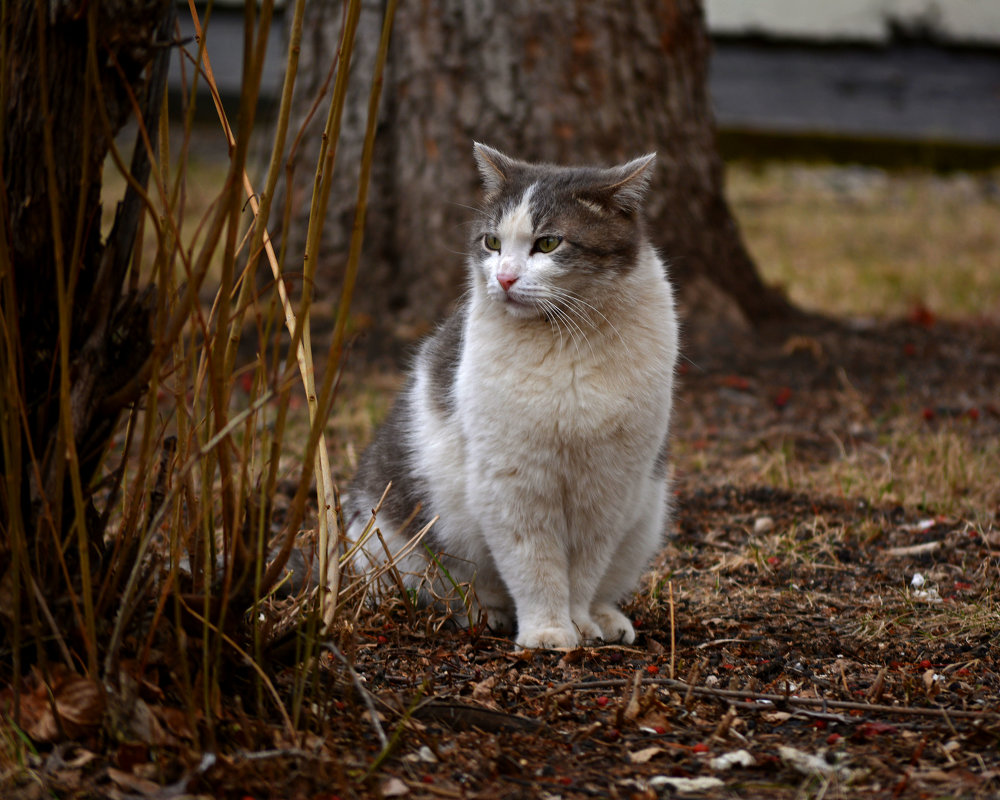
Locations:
{"points": [[548, 638], [588, 629], [615, 626]]}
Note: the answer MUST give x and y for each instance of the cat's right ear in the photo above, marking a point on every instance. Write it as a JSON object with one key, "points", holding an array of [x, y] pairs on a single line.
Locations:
{"points": [[494, 167]]}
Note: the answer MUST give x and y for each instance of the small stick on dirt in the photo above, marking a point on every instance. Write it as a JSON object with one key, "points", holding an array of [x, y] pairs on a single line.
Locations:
{"points": [[912, 550], [875, 692], [692, 679], [722, 729], [363, 692], [634, 704], [673, 630], [390, 745], [716, 642], [777, 700]]}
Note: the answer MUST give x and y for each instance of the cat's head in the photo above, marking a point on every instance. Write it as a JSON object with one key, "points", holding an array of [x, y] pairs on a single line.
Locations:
{"points": [[552, 241]]}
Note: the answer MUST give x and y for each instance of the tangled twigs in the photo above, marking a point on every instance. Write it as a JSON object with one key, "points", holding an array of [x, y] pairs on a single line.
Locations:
{"points": [[763, 702]]}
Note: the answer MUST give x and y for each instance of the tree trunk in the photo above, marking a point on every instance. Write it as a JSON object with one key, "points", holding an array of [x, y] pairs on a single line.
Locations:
{"points": [[569, 83], [58, 123]]}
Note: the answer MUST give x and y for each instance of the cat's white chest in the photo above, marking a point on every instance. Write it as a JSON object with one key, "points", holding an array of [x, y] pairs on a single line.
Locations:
{"points": [[512, 379], [508, 382]]}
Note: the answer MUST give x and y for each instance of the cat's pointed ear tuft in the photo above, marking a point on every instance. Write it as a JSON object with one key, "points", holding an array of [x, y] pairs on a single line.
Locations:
{"points": [[629, 183], [494, 167]]}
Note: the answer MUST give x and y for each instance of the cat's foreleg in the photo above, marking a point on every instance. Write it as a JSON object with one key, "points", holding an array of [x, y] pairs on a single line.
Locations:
{"points": [[641, 542], [529, 549], [589, 563]]}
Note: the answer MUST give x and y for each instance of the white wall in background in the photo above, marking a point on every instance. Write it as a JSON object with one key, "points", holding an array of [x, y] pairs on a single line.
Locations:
{"points": [[975, 22]]}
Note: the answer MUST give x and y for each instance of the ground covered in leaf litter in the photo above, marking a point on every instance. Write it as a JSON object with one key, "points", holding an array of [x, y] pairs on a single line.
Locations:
{"points": [[800, 635]]}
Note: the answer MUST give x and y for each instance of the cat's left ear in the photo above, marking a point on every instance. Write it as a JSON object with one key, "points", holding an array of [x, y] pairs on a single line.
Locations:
{"points": [[494, 166], [628, 183]]}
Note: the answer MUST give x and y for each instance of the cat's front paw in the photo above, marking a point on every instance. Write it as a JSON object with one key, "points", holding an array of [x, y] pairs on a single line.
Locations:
{"points": [[588, 629], [548, 638], [615, 626]]}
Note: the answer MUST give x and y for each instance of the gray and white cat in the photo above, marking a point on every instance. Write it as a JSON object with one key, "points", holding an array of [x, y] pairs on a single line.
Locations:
{"points": [[535, 421]]}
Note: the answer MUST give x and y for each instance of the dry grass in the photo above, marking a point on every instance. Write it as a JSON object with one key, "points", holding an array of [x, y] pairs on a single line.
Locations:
{"points": [[856, 242], [906, 462], [852, 241]]}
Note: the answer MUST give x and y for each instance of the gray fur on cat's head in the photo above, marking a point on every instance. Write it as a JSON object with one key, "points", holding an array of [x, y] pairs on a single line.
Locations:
{"points": [[551, 239]]}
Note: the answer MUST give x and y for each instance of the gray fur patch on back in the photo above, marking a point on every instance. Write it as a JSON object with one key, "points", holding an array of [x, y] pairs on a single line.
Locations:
{"points": [[439, 357], [389, 458], [662, 460]]}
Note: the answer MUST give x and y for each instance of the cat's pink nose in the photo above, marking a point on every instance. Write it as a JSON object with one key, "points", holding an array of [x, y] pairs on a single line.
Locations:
{"points": [[506, 280]]}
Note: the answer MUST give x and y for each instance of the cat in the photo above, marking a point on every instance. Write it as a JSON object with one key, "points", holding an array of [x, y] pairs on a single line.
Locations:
{"points": [[533, 429]]}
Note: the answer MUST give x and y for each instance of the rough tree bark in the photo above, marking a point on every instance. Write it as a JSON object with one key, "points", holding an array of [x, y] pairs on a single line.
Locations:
{"points": [[58, 123], [571, 83]]}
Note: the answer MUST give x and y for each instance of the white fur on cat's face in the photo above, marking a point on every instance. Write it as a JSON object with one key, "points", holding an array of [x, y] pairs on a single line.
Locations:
{"points": [[534, 290]]}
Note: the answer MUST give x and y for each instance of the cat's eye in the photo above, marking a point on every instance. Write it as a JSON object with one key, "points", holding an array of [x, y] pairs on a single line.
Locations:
{"points": [[546, 244], [492, 242]]}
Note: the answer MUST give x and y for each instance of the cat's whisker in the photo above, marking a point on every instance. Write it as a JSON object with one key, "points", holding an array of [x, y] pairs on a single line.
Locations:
{"points": [[551, 317], [575, 307], [571, 320], [562, 321], [476, 209], [575, 301], [572, 326]]}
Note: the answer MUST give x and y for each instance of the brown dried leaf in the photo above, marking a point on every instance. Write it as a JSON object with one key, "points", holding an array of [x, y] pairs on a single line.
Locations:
{"points": [[482, 692], [930, 685], [144, 725], [573, 657], [174, 720], [131, 783], [63, 708], [655, 719]]}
